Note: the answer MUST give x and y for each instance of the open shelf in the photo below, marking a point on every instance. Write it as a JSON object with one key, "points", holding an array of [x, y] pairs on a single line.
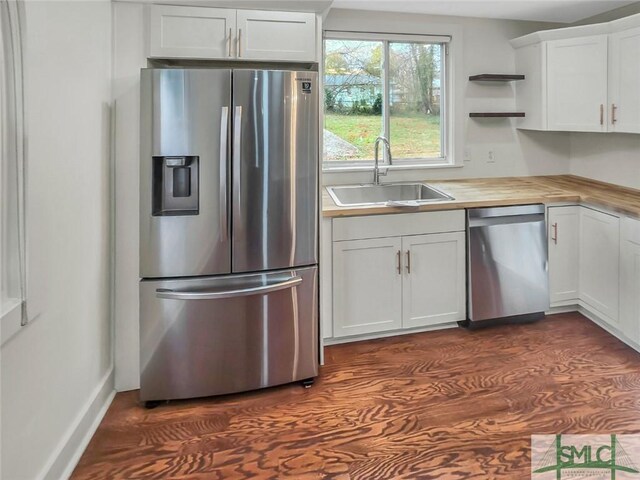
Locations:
{"points": [[495, 77], [496, 114]]}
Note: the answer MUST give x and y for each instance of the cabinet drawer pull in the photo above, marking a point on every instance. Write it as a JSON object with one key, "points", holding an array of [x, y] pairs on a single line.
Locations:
{"points": [[408, 261], [230, 40], [239, 42], [554, 237], [399, 255]]}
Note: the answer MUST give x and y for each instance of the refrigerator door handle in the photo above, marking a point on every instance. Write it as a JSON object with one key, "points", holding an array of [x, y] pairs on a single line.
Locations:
{"points": [[224, 140], [232, 293], [237, 134]]}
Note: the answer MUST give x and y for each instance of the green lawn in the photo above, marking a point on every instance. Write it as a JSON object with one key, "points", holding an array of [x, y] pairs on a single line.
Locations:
{"points": [[413, 135]]}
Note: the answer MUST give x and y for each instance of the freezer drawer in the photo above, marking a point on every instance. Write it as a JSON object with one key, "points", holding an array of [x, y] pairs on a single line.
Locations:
{"points": [[218, 335]]}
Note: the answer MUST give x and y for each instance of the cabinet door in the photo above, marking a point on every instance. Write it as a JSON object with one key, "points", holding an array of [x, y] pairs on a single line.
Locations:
{"points": [[577, 84], [624, 81], [630, 280], [287, 36], [564, 245], [191, 32], [433, 288], [599, 262], [367, 286]]}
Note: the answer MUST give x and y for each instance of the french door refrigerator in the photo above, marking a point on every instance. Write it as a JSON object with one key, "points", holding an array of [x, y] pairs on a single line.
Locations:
{"points": [[228, 230]]}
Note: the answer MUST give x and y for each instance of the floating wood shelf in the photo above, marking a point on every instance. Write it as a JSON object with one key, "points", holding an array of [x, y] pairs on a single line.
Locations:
{"points": [[496, 114], [495, 77]]}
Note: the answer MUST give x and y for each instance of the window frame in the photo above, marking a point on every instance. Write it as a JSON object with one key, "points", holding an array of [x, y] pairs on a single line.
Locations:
{"points": [[446, 103]]}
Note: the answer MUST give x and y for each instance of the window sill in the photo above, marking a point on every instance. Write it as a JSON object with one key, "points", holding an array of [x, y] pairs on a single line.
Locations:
{"points": [[11, 319], [369, 168]]}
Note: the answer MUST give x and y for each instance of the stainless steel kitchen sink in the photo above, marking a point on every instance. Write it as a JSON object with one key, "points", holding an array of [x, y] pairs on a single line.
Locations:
{"points": [[393, 194]]}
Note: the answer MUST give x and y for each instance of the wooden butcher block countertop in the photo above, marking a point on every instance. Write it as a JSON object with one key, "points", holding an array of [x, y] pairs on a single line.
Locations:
{"points": [[491, 192]]}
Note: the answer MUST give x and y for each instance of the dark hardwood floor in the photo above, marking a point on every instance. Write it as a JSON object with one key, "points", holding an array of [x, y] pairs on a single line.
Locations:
{"points": [[449, 404]]}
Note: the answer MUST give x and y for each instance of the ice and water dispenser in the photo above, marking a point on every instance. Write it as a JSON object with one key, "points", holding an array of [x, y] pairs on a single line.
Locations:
{"points": [[175, 185]]}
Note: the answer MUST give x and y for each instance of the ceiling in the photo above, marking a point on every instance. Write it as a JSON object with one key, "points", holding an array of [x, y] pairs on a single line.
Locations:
{"points": [[563, 11]]}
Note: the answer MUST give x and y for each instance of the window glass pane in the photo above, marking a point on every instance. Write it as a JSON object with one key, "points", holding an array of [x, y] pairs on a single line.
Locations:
{"points": [[353, 99], [415, 71]]}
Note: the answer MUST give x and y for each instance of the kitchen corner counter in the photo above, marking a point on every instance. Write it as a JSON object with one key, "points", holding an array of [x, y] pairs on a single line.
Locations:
{"points": [[493, 192]]}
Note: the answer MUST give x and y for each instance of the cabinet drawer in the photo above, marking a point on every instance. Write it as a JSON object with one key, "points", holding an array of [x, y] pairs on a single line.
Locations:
{"points": [[374, 226]]}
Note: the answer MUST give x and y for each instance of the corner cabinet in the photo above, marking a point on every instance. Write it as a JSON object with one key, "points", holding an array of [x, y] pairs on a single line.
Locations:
{"points": [[629, 322], [397, 272], [624, 78], [229, 34], [581, 79], [599, 262]]}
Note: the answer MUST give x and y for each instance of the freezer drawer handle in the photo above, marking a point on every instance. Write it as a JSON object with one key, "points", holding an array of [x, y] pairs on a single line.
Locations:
{"points": [[216, 295]]}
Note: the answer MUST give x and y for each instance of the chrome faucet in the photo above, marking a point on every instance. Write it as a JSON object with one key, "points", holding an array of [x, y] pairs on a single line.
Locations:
{"points": [[376, 166]]}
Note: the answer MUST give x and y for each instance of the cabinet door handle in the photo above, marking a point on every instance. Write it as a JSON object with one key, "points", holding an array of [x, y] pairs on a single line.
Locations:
{"points": [[408, 261], [399, 255], [613, 113], [239, 42], [554, 237], [230, 39], [601, 114]]}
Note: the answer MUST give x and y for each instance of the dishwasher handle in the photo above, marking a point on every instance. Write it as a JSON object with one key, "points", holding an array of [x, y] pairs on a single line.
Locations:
{"points": [[490, 212], [506, 220]]}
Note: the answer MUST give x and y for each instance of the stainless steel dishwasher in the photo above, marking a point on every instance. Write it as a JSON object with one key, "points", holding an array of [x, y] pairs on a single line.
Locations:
{"points": [[507, 264]]}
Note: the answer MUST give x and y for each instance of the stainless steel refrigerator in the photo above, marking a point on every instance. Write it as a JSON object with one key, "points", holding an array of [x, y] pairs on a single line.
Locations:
{"points": [[228, 230]]}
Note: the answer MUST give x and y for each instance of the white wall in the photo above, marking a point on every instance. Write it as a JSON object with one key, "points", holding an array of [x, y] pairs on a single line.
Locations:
{"points": [[56, 372], [609, 157], [129, 58], [485, 50]]}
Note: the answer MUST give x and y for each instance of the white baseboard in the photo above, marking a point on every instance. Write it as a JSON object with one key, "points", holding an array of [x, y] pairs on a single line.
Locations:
{"points": [[75, 440]]}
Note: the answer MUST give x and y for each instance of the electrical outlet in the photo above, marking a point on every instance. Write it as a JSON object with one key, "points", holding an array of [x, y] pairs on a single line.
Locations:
{"points": [[491, 157], [467, 155]]}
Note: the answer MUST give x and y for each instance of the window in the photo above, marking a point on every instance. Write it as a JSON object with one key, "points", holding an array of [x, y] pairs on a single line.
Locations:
{"points": [[12, 238], [394, 87]]}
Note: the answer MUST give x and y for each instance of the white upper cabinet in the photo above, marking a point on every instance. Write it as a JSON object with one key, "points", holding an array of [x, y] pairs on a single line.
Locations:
{"points": [[581, 79], [624, 81], [577, 84], [600, 263], [564, 231], [191, 32], [285, 36], [224, 33]]}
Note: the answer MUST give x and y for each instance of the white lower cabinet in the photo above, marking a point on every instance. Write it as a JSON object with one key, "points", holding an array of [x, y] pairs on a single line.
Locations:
{"points": [[393, 282], [367, 286], [564, 244], [600, 263], [433, 289], [629, 323]]}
